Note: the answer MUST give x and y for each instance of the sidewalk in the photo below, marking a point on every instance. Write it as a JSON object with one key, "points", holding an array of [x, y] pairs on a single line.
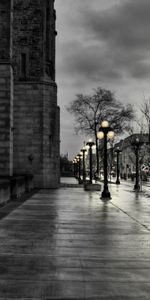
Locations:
{"points": [[68, 244]]}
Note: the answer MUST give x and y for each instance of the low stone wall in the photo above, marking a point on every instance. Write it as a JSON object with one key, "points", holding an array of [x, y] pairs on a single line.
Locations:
{"points": [[92, 187], [4, 191], [14, 187], [19, 185]]}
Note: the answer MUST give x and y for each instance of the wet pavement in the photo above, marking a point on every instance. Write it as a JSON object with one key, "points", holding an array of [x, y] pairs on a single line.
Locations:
{"points": [[69, 244]]}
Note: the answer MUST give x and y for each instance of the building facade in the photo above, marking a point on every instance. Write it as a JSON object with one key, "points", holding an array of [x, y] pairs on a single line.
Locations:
{"points": [[127, 157], [29, 115]]}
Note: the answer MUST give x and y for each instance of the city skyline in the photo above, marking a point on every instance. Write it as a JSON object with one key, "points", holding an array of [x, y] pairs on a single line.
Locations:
{"points": [[100, 44]]}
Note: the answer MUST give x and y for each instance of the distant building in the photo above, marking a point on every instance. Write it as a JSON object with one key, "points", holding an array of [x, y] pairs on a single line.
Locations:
{"points": [[29, 115], [127, 156], [66, 166]]}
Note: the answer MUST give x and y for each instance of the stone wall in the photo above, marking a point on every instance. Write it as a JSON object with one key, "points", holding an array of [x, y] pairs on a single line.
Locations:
{"points": [[5, 29], [6, 90], [50, 136], [36, 132], [28, 39], [15, 187], [29, 117], [36, 139], [6, 119]]}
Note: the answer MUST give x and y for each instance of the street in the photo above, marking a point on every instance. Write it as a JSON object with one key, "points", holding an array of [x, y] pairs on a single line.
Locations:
{"points": [[69, 244]]}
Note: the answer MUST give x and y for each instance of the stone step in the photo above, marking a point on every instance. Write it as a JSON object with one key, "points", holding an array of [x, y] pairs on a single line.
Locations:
{"points": [[73, 185]]}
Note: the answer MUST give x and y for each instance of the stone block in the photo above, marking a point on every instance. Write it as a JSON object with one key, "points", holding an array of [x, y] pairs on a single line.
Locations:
{"points": [[4, 191], [28, 91], [20, 185], [92, 187]]}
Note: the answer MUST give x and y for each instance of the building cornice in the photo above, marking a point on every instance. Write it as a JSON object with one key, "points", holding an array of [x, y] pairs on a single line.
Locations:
{"points": [[41, 82]]}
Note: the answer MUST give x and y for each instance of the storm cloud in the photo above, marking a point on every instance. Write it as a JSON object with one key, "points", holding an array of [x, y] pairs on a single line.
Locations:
{"points": [[116, 37], [103, 44]]}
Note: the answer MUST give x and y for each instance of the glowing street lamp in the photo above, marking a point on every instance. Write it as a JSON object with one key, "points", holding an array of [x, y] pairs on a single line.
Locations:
{"points": [[105, 132], [90, 143], [136, 145], [79, 167], [83, 150], [75, 167], [118, 151]]}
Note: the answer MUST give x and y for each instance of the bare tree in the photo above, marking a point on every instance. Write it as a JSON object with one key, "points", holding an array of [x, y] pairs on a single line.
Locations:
{"points": [[90, 110], [145, 110]]}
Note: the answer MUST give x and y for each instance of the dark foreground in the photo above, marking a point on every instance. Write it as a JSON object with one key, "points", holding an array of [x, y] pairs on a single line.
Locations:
{"points": [[68, 244]]}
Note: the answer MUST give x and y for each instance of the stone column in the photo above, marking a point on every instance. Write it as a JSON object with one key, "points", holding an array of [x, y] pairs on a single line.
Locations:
{"points": [[6, 89]]}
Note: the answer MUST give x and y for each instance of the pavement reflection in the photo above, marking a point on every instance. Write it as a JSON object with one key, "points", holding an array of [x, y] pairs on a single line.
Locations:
{"points": [[68, 244]]}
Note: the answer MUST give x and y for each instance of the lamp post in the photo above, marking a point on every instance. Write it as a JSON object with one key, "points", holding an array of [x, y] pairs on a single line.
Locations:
{"points": [[136, 145], [90, 144], [79, 167], [75, 167], [118, 151], [83, 150], [104, 132]]}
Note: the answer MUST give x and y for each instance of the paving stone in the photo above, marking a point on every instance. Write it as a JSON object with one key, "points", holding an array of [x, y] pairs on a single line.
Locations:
{"points": [[68, 244]]}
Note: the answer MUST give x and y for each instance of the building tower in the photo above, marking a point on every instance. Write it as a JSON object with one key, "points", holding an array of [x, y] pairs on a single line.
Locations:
{"points": [[35, 111], [6, 89]]}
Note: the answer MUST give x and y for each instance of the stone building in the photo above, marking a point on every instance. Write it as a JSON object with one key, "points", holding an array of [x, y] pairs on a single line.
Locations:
{"points": [[127, 157], [29, 115]]}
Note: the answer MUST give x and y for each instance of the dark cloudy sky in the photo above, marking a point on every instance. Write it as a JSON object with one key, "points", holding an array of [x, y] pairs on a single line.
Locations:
{"points": [[101, 43]]}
